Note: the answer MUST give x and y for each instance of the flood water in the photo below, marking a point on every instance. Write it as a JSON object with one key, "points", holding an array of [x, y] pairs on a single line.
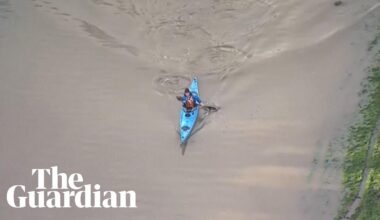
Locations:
{"points": [[90, 86]]}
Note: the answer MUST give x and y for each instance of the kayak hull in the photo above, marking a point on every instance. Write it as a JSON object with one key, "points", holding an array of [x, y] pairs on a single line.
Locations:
{"points": [[188, 119]]}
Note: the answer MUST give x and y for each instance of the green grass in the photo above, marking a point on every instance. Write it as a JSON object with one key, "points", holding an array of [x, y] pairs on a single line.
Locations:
{"points": [[370, 206], [357, 149]]}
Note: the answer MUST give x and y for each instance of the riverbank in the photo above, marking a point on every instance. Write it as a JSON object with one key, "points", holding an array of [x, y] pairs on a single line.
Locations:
{"points": [[362, 163]]}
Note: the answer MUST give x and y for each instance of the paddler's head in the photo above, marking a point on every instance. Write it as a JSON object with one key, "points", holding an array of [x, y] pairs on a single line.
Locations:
{"points": [[187, 92]]}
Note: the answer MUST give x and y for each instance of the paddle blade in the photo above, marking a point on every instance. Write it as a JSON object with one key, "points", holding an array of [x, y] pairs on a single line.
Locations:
{"points": [[210, 107]]}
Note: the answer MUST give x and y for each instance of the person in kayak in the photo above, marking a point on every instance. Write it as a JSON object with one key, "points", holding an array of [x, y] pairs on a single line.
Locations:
{"points": [[189, 100]]}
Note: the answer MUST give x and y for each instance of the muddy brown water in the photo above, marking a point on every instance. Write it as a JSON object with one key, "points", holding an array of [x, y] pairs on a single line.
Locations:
{"points": [[90, 86]]}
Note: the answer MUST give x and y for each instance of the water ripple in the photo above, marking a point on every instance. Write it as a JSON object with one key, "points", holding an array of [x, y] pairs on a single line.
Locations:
{"points": [[171, 84]]}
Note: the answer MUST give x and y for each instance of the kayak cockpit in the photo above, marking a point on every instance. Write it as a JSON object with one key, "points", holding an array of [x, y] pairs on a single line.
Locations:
{"points": [[185, 128]]}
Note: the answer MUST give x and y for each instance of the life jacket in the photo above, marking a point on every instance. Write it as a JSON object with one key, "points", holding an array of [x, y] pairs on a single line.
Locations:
{"points": [[189, 104]]}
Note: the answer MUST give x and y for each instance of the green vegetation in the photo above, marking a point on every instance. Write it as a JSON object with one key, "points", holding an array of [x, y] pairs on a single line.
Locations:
{"points": [[370, 206], [374, 42], [362, 154]]}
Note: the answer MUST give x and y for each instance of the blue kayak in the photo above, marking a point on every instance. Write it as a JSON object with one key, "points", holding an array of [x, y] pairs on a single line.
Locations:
{"points": [[188, 119]]}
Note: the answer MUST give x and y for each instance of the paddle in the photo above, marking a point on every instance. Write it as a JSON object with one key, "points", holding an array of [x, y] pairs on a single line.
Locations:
{"points": [[208, 107]]}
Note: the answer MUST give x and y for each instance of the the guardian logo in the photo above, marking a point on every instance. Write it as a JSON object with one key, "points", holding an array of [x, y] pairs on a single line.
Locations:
{"points": [[66, 191]]}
